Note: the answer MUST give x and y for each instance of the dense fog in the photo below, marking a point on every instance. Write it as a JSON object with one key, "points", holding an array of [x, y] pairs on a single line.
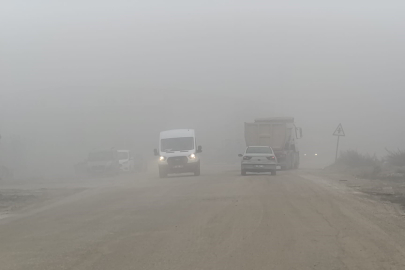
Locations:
{"points": [[83, 75]]}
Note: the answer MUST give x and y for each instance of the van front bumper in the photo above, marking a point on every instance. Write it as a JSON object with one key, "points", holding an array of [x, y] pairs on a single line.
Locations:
{"points": [[181, 168]]}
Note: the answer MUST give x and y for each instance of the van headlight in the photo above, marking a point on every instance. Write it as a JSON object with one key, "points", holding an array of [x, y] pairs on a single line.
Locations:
{"points": [[192, 156], [162, 158]]}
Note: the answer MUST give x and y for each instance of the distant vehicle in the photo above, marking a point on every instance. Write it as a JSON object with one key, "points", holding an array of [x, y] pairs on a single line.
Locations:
{"points": [[125, 160], [103, 162], [259, 159], [178, 152], [279, 133], [140, 163]]}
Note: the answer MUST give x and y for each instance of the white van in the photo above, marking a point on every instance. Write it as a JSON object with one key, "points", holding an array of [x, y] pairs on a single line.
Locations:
{"points": [[178, 152]]}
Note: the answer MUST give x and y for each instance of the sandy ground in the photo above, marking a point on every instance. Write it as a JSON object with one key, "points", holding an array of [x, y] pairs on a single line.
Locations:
{"points": [[392, 190], [300, 219], [13, 200]]}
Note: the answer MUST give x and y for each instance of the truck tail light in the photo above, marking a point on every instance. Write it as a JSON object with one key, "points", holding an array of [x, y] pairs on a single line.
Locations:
{"points": [[271, 158]]}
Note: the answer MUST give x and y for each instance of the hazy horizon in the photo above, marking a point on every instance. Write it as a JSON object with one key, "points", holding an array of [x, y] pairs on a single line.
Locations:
{"points": [[83, 75]]}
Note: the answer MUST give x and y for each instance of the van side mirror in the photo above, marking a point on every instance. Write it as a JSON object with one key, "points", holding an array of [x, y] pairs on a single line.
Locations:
{"points": [[155, 152], [199, 149], [240, 155]]}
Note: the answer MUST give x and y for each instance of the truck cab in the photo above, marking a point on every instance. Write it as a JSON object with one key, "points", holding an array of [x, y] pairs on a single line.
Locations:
{"points": [[178, 152]]}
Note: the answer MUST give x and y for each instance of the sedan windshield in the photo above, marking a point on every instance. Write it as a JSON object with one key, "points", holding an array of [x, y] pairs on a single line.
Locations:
{"points": [[177, 144], [260, 150]]}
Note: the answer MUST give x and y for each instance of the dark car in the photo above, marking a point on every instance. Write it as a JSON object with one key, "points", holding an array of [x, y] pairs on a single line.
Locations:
{"points": [[103, 162]]}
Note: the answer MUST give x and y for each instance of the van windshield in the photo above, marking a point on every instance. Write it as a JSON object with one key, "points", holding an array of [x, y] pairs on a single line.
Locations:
{"points": [[177, 144]]}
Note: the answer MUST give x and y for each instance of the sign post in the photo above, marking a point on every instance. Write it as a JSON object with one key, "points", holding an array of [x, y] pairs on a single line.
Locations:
{"points": [[338, 132]]}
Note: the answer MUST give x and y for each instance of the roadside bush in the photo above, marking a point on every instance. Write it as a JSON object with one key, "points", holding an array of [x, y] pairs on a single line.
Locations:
{"points": [[396, 158], [392, 167], [360, 165], [354, 159]]}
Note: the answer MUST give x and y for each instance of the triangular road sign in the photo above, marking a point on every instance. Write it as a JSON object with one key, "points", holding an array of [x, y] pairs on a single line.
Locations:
{"points": [[339, 131]]}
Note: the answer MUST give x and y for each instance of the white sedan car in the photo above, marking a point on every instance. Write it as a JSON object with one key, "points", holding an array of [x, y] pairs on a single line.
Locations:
{"points": [[259, 159]]}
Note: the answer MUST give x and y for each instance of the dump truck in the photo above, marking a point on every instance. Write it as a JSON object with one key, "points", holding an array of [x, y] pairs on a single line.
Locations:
{"points": [[281, 134]]}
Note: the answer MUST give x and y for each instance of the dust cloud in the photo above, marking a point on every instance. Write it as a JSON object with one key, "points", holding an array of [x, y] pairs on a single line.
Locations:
{"points": [[77, 76]]}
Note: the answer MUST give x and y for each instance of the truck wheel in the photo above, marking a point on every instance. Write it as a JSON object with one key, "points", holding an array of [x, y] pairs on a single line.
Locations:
{"points": [[162, 173], [197, 170], [243, 172], [273, 172]]}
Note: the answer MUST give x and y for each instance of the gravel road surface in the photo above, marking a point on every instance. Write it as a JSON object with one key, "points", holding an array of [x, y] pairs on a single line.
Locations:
{"points": [[219, 220]]}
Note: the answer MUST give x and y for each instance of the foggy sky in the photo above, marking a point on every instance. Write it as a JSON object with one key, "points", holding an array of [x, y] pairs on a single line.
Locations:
{"points": [[79, 75]]}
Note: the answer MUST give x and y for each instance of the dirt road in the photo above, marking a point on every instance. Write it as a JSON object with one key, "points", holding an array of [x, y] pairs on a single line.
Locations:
{"points": [[220, 220]]}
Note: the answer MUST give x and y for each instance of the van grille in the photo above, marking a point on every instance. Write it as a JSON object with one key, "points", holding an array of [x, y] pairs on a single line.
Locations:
{"points": [[173, 161]]}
